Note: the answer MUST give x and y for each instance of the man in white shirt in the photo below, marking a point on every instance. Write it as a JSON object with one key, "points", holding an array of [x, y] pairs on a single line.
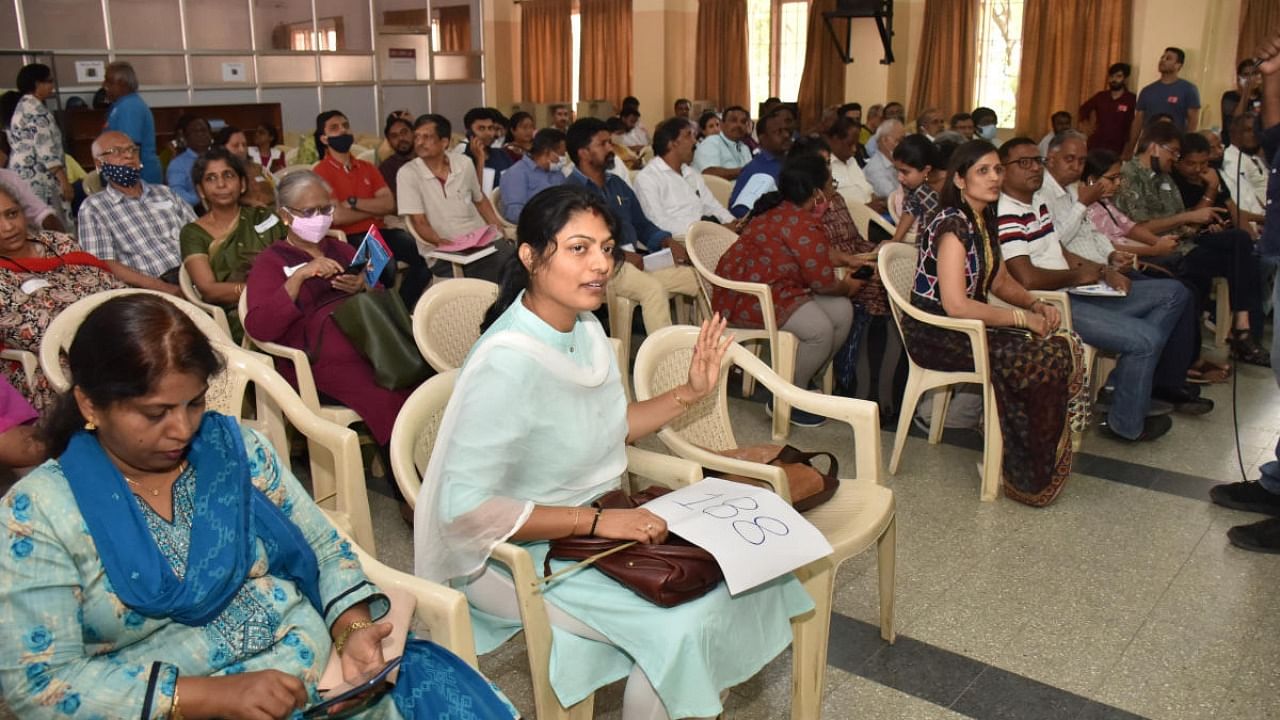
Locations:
{"points": [[880, 171], [724, 155], [1242, 169], [439, 195], [851, 182], [672, 193], [636, 137]]}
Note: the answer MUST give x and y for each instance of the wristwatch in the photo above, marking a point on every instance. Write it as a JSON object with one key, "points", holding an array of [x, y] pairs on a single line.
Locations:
{"points": [[352, 201]]}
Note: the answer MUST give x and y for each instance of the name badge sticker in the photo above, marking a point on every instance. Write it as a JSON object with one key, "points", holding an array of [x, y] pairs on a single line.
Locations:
{"points": [[289, 270], [267, 224], [34, 284], [161, 204]]}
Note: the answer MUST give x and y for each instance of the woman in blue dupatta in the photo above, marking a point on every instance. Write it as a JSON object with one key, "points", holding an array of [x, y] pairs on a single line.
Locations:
{"points": [[166, 565]]}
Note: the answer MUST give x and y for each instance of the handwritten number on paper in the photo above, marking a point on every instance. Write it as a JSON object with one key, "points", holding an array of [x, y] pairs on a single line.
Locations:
{"points": [[754, 531]]}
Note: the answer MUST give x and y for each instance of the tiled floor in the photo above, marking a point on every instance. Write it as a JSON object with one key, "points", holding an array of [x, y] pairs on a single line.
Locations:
{"points": [[1123, 599]]}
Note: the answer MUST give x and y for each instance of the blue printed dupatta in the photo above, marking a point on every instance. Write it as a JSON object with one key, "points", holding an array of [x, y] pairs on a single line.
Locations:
{"points": [[230, 514]]}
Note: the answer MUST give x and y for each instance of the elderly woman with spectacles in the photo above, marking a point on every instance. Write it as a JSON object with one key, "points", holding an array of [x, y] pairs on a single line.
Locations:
{"points": [[293, 289]]}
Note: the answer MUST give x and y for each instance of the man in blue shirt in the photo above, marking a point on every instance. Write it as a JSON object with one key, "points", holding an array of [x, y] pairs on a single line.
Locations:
{"points": [[197, 136], [542, 167], [590, 146], [1170, 95], [761, 174], [1263, 495], [131, 116]]}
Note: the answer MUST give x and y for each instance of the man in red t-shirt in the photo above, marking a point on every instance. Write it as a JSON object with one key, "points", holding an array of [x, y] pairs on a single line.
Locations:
{"points": [[1110, 112], [361, 198]]}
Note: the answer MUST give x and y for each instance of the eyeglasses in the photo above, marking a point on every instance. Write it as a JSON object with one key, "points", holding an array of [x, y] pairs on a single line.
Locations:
{"points": [[1176, 155], [310, 212], [1027, 163], [127, 152]]}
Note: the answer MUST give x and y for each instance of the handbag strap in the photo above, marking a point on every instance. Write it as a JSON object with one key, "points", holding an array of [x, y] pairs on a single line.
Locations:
{"points": [[550, 577], [790, 454]]}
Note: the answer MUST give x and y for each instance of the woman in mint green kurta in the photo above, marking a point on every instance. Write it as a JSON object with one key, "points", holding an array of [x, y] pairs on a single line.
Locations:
{"points": [[535, 430], [219, 248]]}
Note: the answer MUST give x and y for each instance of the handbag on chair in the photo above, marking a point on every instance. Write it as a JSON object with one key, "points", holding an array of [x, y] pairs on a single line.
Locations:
{"points": [[377, 324], [809, 487], [665, 574]]}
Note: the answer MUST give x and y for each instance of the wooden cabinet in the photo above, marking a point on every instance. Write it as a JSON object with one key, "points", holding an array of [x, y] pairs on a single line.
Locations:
{"points": [[83, 126]]}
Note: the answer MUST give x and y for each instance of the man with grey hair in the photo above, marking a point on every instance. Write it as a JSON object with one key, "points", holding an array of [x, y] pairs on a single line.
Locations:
{"points": [[879, 170], [930, 123], [130, 115], [133, 225]]}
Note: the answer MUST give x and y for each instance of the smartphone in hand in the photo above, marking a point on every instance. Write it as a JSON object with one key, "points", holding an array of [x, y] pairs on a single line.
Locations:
{"points": [[356, 268], [369, 686]]}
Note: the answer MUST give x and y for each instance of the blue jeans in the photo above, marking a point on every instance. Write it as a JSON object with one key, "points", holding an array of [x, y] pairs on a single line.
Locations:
{"points": [[1271, 470], [1135, 328]]}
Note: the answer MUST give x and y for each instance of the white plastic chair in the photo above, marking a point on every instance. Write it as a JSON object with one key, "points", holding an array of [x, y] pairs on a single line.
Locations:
{"points": [[864, 217], [412, 442], [861, 514], [446, 320], [339, 414], [192, 294], [707, 242], [719, 187], [897, 264], [495, 199], [28, 361]]}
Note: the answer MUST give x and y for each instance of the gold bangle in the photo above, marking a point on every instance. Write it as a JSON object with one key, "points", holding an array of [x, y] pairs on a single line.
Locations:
{"points": [[342, 639], [684, 404], [174, 712]]}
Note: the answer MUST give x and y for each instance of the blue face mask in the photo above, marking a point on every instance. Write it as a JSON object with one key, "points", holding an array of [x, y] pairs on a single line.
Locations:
{"points": [[987, 132], [122, 175]]}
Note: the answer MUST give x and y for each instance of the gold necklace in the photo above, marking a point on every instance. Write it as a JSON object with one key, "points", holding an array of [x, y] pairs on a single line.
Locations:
{"points": [[154, 492]]}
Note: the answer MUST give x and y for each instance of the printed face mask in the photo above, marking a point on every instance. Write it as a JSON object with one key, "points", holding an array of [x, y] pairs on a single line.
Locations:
{"points": [[122, 175], [311, 229]]}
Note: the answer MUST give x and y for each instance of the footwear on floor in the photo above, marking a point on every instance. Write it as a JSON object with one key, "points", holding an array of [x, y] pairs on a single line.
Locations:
{"points": [[1153, 427], [1247, 496], [1262, 536], [1185, 399], [1244, 349], [1207, 373], [799, 418], [1106, 396]]}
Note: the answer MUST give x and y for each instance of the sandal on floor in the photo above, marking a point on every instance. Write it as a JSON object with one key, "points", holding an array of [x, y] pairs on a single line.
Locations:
{"points": [[1208, 373], [1244, 349]]}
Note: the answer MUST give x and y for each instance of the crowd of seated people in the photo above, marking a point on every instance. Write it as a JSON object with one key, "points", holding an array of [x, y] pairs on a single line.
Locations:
{"points": [[1137, 225]]}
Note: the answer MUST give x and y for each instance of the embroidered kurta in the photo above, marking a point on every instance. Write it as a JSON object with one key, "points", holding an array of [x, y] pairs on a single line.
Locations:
{"points": [[36, 144], [70, 647]]}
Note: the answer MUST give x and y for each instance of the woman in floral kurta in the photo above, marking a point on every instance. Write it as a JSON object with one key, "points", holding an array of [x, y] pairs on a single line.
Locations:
{"points": [[36, 141], [71, 646]]}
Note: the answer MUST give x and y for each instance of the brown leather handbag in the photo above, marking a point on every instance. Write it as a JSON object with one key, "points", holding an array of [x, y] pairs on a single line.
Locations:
{"points": [[666, 574], [809, 486]]}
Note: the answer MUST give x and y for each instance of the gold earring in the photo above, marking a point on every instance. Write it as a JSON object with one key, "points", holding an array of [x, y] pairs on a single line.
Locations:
{"points": [[88, 425]]}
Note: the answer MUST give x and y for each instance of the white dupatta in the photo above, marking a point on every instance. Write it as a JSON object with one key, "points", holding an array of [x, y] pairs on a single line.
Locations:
{"points": [[447, 548]]}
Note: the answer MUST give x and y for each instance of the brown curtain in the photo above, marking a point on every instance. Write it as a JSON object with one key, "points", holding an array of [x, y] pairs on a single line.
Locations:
{"points": [[822, 84], [1067, 46], [455, 28], [721, 70], [546, 37], [1258, 19], [946, 63], [605, 71]]}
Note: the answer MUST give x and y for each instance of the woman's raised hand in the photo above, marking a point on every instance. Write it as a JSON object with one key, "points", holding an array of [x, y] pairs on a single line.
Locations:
{"points": [[638, 524], [704, 369]]}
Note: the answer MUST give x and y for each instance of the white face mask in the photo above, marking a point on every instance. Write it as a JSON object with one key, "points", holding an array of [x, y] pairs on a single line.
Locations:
{"points": [[987, 132], [558, 164]]}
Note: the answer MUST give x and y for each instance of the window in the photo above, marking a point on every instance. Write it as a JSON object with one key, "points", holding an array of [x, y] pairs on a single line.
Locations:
{"points": [[777, 33], [575, 30], [999, 57], [326, 36]]}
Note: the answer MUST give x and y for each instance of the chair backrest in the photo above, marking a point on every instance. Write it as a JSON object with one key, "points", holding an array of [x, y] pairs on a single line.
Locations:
{"points": [[706, 243], [719, 187], [92, 183], [414, 435], [292, 168], [446, 320], [62, 330], [897, 265], [864, 217], [192, 294], [663, 364]]}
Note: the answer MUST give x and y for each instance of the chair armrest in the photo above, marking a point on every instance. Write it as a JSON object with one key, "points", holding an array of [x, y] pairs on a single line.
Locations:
{"points": [[666, 470], [774, 477], [976, 330], [301, 369], [442, 609], [28, 361], [1056, 298]]}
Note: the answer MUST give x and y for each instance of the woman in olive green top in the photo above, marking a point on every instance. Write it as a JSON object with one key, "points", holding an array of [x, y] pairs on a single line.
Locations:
{"points": [[219, 248]]}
